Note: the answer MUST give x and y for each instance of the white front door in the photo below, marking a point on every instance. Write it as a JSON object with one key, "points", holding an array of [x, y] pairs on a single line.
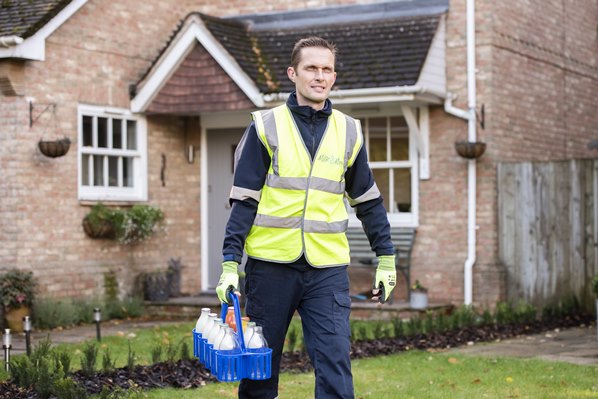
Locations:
{"points": [[220, 155]]}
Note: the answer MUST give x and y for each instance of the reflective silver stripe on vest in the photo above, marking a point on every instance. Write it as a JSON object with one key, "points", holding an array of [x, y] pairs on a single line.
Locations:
{"points": [[316, 226], [351, 139], [371, 194], [300, 183], [275, 221], [241, 194], [271, 136], [329, 186], [290, 183]]}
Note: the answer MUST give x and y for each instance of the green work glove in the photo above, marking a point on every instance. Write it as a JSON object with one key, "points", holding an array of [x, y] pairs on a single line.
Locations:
{"points": [[228, 278], [386, 276]]}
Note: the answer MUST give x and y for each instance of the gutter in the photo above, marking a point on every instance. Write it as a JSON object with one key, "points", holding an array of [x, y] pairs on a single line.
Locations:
{"points": [[10, 41], [470, 116]]}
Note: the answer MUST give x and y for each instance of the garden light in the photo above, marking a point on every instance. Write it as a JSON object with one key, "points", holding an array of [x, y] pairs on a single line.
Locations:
{"points": [[27, 330], [6, 345], [97, 318]]}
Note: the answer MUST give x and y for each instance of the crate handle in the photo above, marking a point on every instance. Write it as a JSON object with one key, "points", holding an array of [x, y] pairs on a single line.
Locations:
{"points": [[235, 300]]}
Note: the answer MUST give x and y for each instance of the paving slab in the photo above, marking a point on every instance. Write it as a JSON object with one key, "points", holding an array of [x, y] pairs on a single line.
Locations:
{"points": [[80, 334], [573, 345]]}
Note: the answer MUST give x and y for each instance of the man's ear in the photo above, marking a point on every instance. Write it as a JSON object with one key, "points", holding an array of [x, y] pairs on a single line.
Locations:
{"points": [[291, 74]]}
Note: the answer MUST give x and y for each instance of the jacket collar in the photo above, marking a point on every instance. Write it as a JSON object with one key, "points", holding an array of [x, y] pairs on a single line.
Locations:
{"points": [[307, 112]]}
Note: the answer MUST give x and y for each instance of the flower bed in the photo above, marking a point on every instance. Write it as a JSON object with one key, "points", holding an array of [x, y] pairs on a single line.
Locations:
{"points": [[191, 374]]}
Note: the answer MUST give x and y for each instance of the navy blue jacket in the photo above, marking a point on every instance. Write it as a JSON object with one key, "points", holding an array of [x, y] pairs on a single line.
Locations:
{"points": [[252, 162]]}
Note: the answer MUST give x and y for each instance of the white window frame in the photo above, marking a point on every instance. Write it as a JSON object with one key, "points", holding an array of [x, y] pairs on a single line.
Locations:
{"points": [[138, 192], [402, 219]]}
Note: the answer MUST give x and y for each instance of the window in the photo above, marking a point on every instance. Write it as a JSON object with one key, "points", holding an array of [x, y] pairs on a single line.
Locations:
{"points": [[393, 160], [112, 155]]}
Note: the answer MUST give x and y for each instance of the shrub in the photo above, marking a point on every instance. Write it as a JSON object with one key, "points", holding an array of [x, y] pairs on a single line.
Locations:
{"points": [[130, 358], [88, 362], [50, 313], [17, 288], [46, 371], [594, 284], [108, 364], [127, 226], [156, 352]]}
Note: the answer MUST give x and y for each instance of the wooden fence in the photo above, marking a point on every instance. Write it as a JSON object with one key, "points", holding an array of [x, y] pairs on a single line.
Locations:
{"points": [[548, 229]]}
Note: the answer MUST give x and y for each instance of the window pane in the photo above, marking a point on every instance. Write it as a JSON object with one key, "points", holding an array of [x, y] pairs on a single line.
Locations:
{"points": [[399, 139], [128, 172], [382, 181], [102, 132], [402, 189], [377, 135], [98, 170], [117, 134], [87, 131], [131, 135], [85, 169], [113, 171]]}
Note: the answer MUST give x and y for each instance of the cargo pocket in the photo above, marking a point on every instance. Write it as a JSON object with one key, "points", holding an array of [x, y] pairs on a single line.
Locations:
{"points": [[341, 312]]}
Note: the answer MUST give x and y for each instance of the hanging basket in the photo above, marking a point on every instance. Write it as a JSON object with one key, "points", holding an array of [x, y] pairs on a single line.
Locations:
{"points": [[54, 148], [470, 150], [103, 229]]}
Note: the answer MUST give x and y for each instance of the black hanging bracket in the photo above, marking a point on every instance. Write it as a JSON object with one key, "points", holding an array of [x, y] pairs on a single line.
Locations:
{"points": [[32, 120]]}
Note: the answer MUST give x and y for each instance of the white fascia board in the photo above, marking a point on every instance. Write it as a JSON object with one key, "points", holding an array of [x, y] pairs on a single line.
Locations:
{"points": [[433, 73], [166, 66], [34, 47], [195, 31]]}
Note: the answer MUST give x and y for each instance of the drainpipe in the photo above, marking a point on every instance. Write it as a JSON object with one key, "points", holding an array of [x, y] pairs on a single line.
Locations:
{"points": [[9, 41], [470, 116]]}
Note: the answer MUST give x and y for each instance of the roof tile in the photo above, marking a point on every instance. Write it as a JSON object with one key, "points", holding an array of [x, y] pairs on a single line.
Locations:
{"points": [[25, 17]]}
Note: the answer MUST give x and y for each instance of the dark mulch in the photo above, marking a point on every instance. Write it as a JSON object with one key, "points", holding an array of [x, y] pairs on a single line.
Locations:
{"points": [[191, 374]]}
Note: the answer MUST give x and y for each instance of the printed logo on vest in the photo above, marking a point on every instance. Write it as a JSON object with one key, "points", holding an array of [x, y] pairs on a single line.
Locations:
{"points": [[331, 159]]}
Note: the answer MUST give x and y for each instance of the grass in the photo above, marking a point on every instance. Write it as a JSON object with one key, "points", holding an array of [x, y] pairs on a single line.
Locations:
{"points": [[413, 374], [434, 375]]}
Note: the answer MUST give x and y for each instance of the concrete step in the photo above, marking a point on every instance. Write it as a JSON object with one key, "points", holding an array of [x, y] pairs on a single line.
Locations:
{"points": [[189, 307]]}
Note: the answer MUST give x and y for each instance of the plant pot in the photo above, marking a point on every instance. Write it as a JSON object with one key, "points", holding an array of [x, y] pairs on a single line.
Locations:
{"points": [[418, 300], [156, 287], [103, 229], [470, 150], [55, 148], [14, 318]]}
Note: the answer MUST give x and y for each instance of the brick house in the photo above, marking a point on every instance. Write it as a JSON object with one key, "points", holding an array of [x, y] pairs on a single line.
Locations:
{"points": [[180, 86]]}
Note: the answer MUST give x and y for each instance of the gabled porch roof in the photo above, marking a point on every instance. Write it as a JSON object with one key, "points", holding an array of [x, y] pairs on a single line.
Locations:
{"points": [[387, 51]]}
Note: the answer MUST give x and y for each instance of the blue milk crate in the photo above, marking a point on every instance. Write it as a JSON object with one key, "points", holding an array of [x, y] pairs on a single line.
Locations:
{"points": [[234, 365]]}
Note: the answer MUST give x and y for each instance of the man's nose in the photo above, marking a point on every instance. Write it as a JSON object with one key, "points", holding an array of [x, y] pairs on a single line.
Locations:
{"points": [[319, 74]]}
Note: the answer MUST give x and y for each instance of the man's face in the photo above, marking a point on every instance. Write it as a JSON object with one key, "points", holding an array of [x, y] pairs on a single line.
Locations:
{"points": [[314, 76]]}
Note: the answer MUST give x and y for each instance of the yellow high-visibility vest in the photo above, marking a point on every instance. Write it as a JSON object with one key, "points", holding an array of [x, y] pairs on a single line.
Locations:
{"points": [[301, 210]]}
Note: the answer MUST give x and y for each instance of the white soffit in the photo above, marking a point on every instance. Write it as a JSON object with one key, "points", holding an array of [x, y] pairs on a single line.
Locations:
{"points": [[175, 55], [34, 47]]}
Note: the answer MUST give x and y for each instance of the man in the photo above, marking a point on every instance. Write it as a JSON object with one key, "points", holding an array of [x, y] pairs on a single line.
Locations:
{"points": [[293, 166]]}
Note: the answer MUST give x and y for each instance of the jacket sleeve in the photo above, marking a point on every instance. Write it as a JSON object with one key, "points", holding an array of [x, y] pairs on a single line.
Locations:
{"points": [[250, 168], [364, 196]]}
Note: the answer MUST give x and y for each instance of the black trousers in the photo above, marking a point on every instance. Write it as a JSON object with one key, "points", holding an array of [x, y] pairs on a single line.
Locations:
{"points": [[321, 296]]}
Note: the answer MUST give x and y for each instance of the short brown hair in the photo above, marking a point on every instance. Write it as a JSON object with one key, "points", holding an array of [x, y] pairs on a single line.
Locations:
{"points": [[313, 41]]}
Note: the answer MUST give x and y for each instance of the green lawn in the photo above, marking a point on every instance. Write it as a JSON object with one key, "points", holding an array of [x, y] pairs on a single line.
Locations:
{"points": [[407, 375], [434, 375]]}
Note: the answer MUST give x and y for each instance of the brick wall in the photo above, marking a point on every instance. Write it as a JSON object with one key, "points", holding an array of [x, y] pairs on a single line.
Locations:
{"points": [[92, 59], [537, 70]]}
